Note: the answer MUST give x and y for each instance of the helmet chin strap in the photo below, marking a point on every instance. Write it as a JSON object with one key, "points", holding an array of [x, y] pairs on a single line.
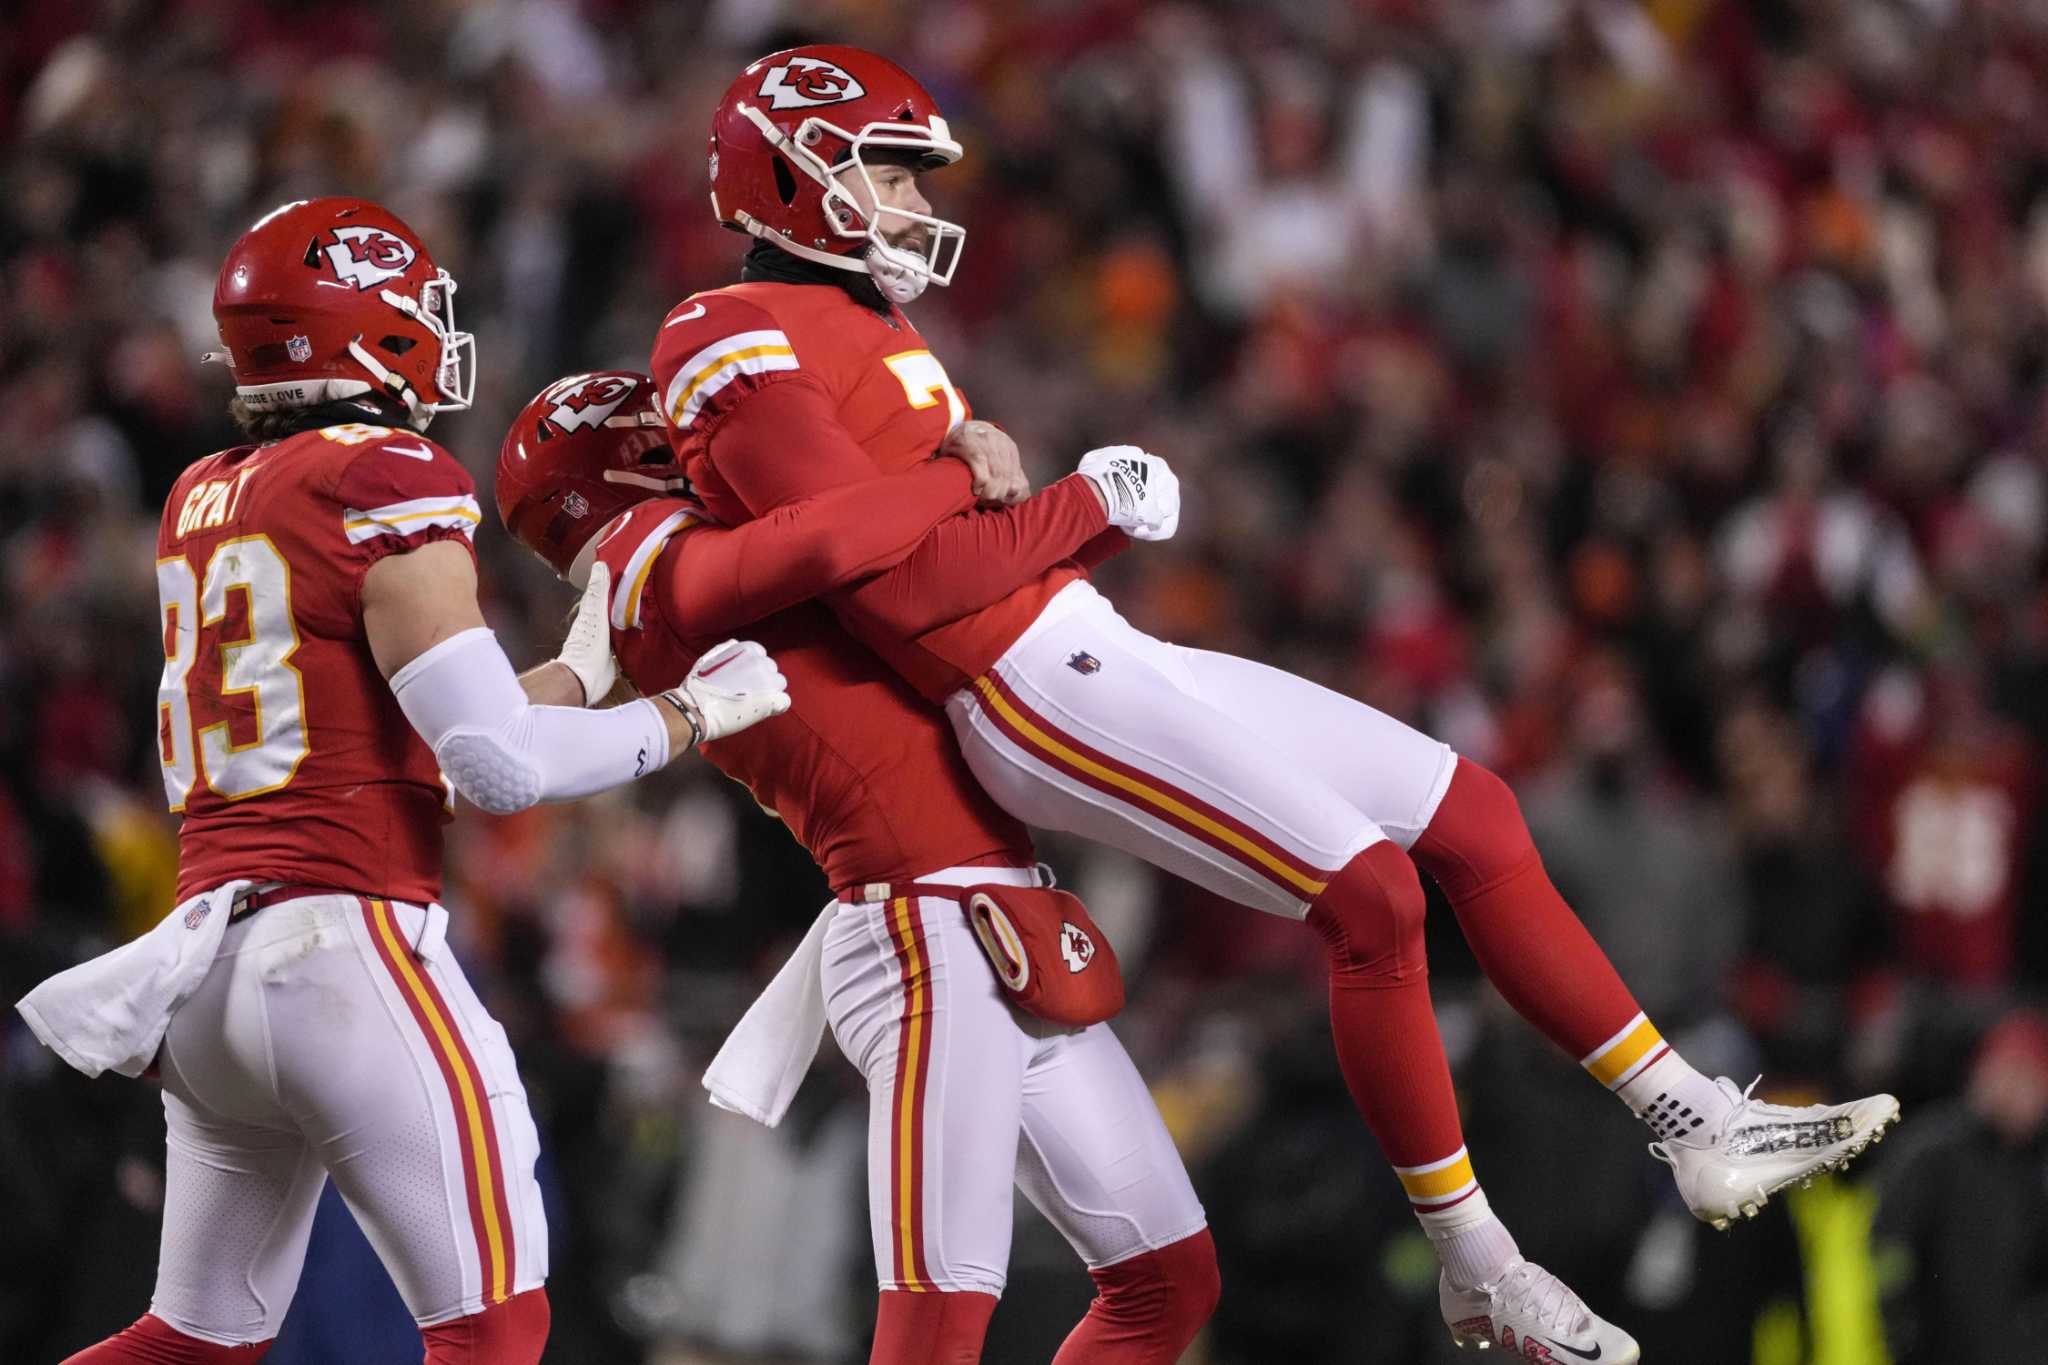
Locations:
{"points": [[579, 567], [394, 384], [899, 283], [672, 484]]}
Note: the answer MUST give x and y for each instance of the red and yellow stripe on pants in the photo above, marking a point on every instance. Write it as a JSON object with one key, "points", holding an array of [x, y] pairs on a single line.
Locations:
{"points": [[913, 1070], [482, 1170], [1147, 792]]}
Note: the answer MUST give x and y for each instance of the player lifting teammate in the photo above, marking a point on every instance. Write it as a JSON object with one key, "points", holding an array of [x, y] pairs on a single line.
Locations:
{"points": [[966, 1094], [1258, 785], [325, 663]]}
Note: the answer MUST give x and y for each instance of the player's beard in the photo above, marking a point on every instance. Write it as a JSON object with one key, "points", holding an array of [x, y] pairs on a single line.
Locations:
{"points": [[915, 239], [902, 283]]}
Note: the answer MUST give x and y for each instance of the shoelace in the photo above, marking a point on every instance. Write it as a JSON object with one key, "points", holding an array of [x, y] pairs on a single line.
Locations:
{"points": [[1786, 1113], [1530, 1290]]}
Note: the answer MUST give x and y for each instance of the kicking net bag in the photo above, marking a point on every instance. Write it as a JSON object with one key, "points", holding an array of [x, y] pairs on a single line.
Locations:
{"points": [[1051, 959]]}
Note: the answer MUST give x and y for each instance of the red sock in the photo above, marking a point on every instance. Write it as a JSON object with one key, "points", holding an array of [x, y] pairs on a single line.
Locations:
{"points": [[1147, 1309], [930, 1329], [1529, 943], [1371, 917], [508, 1333], [152, 1341]]}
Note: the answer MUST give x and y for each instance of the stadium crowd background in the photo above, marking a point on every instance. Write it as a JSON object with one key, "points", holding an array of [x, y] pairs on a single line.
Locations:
{"points": [[1647, 399]]}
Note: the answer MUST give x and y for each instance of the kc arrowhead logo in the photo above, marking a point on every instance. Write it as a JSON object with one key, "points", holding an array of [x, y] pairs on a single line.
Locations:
{"points": [[1075, 946]]}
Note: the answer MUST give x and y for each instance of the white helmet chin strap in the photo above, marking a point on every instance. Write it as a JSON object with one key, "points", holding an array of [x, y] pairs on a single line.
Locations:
{"points": [[579, 567], [895, 275], [395, 385], [894, 272]]}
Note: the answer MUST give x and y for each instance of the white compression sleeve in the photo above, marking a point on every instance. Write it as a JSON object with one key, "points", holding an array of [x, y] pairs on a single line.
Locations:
{"points": [[503, 752]]}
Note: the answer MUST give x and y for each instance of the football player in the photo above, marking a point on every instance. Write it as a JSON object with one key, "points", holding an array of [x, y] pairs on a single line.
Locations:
{"points": [[1260, 786], [966, 1093], [325, 664]]}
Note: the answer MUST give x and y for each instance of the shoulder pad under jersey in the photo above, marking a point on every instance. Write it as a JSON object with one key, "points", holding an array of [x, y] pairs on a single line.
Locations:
{"points": [[398, 484], [631, 544], [713, 350]]}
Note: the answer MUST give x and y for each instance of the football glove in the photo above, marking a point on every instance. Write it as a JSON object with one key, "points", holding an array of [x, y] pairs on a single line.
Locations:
{"points": [[732, 686], [587, 651], [1140, 491]]}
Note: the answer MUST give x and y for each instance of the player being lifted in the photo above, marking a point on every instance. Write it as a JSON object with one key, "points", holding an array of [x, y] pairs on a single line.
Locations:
{"points": [[1256, 784], [966, 1095], [325, 663]]}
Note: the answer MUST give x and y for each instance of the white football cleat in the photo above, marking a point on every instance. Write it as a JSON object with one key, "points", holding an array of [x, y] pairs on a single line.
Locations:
{"points": [[1761, 1148], [1529, 1314]]}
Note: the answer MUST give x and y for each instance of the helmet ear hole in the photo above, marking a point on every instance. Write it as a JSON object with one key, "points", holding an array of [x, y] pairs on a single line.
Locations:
{"points": [[398, 345], [785, 182]]}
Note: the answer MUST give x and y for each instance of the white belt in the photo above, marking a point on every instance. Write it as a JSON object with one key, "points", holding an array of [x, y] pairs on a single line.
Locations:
{"points": [[868, 893]]}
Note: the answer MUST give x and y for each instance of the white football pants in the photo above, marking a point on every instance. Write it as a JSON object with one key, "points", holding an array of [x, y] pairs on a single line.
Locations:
{"points": [[1251, 782], [967, 1095], [336, 1036]]}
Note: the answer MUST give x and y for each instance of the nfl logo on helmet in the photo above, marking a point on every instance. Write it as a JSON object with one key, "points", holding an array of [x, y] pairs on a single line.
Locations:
{"points": [[299, 349]]}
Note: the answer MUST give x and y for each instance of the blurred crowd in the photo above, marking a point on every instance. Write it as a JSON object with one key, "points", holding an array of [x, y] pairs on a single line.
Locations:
{"points": [[1647, 398]]}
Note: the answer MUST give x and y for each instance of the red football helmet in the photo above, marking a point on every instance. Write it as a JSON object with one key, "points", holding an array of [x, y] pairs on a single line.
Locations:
{"points": [[791, 123], [329, 298], [583, 451]]}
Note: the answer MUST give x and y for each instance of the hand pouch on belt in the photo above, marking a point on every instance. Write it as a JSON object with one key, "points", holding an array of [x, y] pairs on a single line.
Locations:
{"points": [[1051, 959]]}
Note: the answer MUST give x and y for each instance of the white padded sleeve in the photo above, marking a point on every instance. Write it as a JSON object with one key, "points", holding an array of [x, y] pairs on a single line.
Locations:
{"points": [[503, 752]]}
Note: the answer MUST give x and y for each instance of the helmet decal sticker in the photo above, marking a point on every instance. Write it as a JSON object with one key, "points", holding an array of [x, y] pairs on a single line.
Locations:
{"points": [[585, 404], [366, 257], [802, 82]]}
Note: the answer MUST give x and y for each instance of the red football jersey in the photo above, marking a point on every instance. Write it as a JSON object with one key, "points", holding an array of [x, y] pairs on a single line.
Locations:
{"points": [[281, 742], [1942, 797], [775, 392], [864, 773]]}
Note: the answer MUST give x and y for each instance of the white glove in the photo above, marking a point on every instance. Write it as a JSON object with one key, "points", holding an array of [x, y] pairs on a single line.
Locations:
{"points": [[1140, 491], [731, 687], [587, 652]]}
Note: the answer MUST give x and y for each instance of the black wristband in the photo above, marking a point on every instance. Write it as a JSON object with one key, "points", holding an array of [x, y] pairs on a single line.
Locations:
{"points": [[689, 714]]}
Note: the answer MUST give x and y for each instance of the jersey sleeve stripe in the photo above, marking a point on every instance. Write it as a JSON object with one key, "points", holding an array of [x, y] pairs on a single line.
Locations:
{"points": [[711, 369], [410, 518], [638, 568]]}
